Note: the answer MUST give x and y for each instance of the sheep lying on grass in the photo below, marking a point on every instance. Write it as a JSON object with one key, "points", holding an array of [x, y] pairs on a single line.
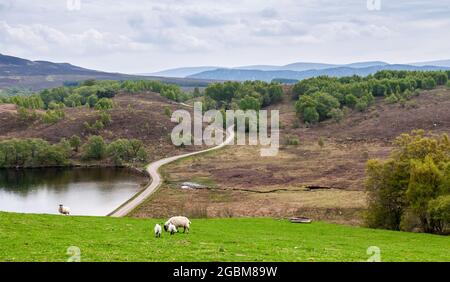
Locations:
{"points": [[172, 229], [178, 221], [64, 210], [158, 230]]}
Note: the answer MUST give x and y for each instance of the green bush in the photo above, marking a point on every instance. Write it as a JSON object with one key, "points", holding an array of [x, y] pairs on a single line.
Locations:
{"points": [[417, 173], [167, 111], [104, 104], [53, 116], [320, 142], [92, 100], [293, 141], [439, 212], [361, 105], [105, 118], [27, 115], [75, 142], [94, 149], [336, 114], [391, 99], [123, 150]]}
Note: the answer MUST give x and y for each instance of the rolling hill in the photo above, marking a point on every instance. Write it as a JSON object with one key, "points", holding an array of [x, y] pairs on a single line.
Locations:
{"points": [[182, 72], [37, 75], [244, 74], [299, 66]]}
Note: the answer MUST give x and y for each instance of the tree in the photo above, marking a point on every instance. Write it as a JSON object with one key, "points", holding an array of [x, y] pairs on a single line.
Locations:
{"points": [[275, 93], [417, 173], [104, 104], [336, 114], [350, 100], [250, 103], [310, 115], [196, 92], [92, 100], [73, 100], [424, 185], [439, 212], [95, 148], [428, 83], [53, 116], [361, 105], [75, 142]]}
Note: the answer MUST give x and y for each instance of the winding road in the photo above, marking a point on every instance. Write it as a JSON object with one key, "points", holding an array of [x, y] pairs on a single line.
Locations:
{"points": [[152, 170]]}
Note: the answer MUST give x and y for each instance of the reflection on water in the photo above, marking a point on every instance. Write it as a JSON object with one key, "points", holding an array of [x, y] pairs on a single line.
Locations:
{"points": [[87, 191]]}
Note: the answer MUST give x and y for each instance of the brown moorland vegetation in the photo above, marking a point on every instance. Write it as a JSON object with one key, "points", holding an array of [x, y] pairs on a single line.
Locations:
{"points": [[324, 182]]}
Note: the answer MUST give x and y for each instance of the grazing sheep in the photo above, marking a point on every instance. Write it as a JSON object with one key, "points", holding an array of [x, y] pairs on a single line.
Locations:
{"points": [[178, 221], [172, 229], [158, 230], [64, 210]]}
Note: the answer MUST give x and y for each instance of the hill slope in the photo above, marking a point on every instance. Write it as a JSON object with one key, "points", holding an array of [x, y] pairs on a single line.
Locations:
{"points": [[37, 75], [245, 74], [47, 238], [242, 183], [144, 111]]}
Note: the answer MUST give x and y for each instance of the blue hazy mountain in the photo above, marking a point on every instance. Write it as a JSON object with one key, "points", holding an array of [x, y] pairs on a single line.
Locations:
{"points": [[37, 75], [360, 69], [182, 72], [299, 66], [440, 63]]}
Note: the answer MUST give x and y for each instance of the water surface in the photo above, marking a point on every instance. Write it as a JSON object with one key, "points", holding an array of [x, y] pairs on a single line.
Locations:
{"points": [[87, 191]]}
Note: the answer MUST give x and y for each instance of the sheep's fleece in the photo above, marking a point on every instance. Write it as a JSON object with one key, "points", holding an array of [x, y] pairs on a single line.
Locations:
{"points": [[179, 221]]}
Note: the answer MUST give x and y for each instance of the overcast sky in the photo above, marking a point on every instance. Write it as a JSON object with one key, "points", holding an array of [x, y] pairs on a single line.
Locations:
{"points": [[137, 36]]}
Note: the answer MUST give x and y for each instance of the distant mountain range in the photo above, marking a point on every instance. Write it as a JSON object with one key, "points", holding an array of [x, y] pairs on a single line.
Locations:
{"points": [[298, 71], [36, 75]]}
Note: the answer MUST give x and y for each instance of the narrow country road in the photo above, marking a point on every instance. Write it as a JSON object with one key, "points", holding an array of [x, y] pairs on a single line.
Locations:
{"points": [[153, 168]]}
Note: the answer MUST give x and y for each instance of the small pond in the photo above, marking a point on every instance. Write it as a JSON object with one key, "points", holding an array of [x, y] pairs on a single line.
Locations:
{"points": [[87, 191]]}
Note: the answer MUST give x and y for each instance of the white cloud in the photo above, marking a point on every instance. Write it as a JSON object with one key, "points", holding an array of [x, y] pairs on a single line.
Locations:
{"points": [[141, 36], [47, 39]]}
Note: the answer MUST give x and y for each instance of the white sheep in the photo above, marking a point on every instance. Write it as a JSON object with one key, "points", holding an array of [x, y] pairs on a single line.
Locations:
{"points": [[178, 221], [172, 229], [158, 230], [64, 210]]}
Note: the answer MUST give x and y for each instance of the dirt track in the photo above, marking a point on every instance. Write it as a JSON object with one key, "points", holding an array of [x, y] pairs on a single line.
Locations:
{"points": [[152, 169]]}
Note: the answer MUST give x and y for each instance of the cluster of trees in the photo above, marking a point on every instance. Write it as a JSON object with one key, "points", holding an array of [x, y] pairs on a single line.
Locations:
{"points": [[104, 120], [324, 97], [15, 91], [249, 95], [120, 150], [169, 91], [33, 152], [93, 93], [412, 188]]}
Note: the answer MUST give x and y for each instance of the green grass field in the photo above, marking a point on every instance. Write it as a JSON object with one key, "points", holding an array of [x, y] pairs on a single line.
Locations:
{"points": [[25, 237]]}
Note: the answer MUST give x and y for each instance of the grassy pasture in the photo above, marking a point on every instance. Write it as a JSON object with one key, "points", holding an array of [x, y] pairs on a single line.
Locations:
{"points": [[28, 237]]}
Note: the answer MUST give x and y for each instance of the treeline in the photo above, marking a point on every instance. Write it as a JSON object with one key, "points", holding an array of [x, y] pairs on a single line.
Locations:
{"points": [[249, 95], [33, 152], [93, 93], [324, 97], [15, 91], [411, 190]]}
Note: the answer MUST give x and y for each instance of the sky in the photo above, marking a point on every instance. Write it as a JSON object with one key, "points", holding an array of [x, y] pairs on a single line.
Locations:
{"points": [[138, 36]]}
